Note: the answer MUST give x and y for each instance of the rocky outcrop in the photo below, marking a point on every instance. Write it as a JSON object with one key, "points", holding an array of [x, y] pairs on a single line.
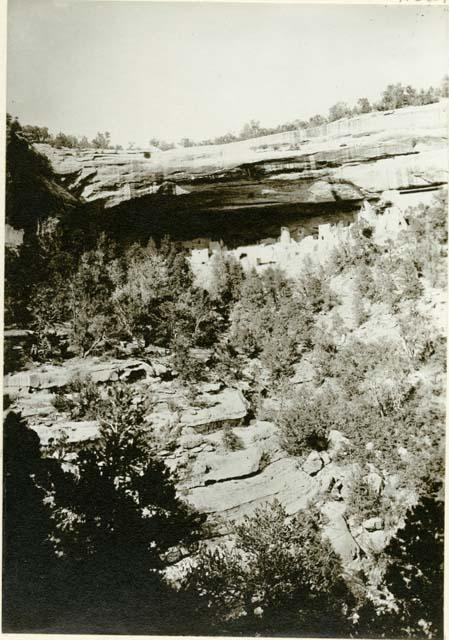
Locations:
{"points": [[228, 407], [213, 407], [344, 161], [54, 377], [73, 432], [213, 477], [224, 481]]}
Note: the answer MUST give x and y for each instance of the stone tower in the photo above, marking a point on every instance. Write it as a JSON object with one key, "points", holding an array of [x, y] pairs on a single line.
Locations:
{"points": [[285, 235]]}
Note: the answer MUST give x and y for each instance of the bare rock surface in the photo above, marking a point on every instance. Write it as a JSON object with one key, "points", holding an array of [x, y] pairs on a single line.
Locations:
{"points": [[340, 161], [338, 532], [57, 376], [75, 431], [228, 405], [232, 465], [313, 464], [283, 479]]}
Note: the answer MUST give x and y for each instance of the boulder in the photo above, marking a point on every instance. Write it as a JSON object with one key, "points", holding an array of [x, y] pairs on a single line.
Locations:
{"points": [[189, 439], [328, 479], [76, 432], [375, 481], [372, 524], [282, 479], [337, 531], [313, 464], [213, 467], [109, 374], [228, 407], [338, 443], [34, 411], [212, 387], [373, 541], [159, 370]]}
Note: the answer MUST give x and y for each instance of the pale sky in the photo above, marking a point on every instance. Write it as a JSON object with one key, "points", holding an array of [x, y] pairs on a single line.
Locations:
{"points": [[173, 70]]}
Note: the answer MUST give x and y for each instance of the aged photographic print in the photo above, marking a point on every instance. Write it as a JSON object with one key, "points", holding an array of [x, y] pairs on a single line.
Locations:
{"points": [[225, 304]]}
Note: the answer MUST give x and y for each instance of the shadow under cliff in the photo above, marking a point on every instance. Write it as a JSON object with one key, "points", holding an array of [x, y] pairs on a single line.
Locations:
{"points": [[183, 218]]}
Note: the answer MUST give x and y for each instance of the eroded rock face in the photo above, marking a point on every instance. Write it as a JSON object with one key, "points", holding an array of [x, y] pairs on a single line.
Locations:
{"points": [[344, 161], [48, 377], [313, 464], [171, 407], [283, 480], [226, 407], [225, 482], [76, 432]]}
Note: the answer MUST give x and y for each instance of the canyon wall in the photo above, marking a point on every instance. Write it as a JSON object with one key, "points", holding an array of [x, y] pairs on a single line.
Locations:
{"points": [[342, 162]]}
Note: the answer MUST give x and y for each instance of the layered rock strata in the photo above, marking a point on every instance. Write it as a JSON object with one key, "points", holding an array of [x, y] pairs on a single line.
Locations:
{"points": [[344, 161]]}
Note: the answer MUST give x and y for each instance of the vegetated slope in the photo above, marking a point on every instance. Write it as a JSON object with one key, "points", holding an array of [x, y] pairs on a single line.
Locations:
{"points": [[372, 368], [343, 368]]}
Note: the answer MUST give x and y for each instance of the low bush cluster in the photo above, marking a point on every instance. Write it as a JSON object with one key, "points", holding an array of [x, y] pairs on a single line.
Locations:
{"points": [[231, 441], [81, 399]]}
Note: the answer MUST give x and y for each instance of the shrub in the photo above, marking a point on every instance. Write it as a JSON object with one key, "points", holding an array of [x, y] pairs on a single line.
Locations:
{"points": [[365, 283], [364, 501], [227, 363], [92, 318], [269, 314], [360, 309], [428, 232], [227, 278], [265, 460], [415, 574], [305, 425], [231, 441], [418, 336], [189, 368], [315, 293], [114, 521], [80, 399]]}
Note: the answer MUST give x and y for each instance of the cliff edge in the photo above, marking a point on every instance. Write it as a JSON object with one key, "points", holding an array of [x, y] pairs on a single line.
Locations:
{"points": [[344, 161]]}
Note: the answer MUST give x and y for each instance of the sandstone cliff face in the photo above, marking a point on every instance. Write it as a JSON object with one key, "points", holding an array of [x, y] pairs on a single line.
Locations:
{"points": [[345, 161], [226, 485], [222, 483]]}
